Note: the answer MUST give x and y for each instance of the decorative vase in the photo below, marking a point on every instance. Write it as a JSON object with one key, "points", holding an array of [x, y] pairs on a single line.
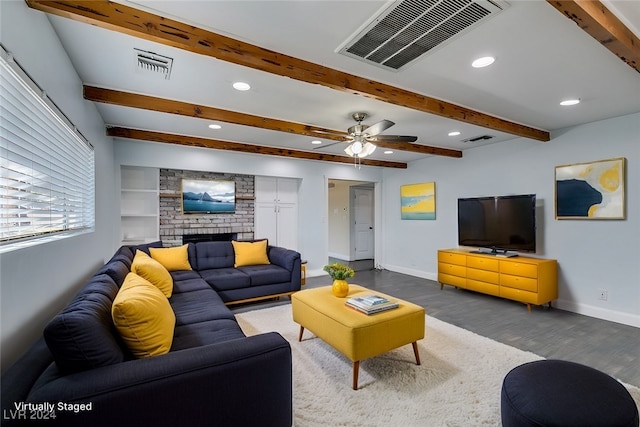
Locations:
{"points": [[340, 288]]}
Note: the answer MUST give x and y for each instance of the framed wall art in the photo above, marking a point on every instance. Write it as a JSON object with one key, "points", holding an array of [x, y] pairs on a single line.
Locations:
{"points": [[208, 196], [418, 201], [594, 190]]}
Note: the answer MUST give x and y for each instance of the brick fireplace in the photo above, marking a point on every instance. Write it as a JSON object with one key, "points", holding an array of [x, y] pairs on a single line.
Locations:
{"points": [[175, 225]]}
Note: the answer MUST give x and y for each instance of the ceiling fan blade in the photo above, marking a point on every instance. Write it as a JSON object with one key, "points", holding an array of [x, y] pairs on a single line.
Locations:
{"points": [[379, 127], [392, 138], [320, 147]]}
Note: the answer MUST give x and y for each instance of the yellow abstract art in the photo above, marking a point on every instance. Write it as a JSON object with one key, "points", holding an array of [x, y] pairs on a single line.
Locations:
{"points": [[418, 201]]}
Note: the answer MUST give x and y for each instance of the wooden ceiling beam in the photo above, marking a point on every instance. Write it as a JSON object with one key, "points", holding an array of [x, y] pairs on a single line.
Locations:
{"points": [[145, 25], [133, 100], [192, 141], [601, 24]]}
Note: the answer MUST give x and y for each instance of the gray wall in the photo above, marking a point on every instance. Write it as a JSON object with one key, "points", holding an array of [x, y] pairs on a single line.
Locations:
{"points": [[36, 282]]}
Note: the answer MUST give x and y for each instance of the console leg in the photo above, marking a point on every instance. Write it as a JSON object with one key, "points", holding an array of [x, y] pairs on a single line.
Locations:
{"points": [[529, 308]]}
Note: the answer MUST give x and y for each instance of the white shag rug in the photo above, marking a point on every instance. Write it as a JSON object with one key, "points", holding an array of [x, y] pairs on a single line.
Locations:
{"points": [[457, 384]]}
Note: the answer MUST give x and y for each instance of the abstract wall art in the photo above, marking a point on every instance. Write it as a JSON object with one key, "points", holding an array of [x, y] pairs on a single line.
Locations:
{"points": [[594, 190], [418, 201]]}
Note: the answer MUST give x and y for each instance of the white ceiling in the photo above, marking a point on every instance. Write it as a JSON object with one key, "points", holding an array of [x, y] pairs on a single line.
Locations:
{"points": [[541, 58]]}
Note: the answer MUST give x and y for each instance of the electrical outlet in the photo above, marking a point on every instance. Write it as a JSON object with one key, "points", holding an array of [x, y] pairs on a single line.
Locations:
{"points": [[603, 294]]}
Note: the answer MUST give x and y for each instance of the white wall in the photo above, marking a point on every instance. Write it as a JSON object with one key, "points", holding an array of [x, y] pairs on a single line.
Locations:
{"points": [[591, 254], [36, 282]]}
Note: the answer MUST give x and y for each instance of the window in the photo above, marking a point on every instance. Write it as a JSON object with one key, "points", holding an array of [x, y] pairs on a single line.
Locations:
{"points": [[46, 165]]}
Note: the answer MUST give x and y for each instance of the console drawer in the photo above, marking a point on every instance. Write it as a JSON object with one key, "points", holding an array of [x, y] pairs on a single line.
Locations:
{"points": [[519, 269], [452, 258], [519, 295], [485, 288], [519, 282], [483, 263], [455, 270], [483, 276], [448, 279]]}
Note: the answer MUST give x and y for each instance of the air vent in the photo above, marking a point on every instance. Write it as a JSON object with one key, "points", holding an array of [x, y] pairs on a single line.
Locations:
{"points": [[408, 29], [153, 64], [478, 138]]}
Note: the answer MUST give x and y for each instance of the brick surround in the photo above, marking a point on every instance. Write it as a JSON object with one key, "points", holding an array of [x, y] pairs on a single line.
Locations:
{"points": [[174, 224]]}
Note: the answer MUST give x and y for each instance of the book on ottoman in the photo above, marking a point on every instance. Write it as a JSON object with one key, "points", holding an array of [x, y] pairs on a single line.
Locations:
{"points": [[370, 304]]}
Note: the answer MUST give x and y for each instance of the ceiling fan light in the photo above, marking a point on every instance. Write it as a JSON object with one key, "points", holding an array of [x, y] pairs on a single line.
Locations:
{"points": [[368, 148], [356, 147], [349, 151]]}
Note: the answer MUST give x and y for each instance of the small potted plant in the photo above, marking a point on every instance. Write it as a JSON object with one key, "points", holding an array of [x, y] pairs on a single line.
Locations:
{"points": [[339, 273]]}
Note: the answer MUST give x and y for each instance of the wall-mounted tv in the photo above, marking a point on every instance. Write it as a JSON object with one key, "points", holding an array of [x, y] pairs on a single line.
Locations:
{"points": [[499, 223], [208, 196]]}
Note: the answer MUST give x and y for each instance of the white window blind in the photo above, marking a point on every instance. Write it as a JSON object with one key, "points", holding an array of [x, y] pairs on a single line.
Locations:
{"points": [[46, 166]]}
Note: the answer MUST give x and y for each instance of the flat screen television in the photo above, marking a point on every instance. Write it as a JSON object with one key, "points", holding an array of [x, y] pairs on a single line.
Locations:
{"points": [[208, 196], [499, 223]]}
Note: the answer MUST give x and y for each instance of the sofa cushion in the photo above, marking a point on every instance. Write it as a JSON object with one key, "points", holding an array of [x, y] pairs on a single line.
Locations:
{"points": [[151, 270], [187, 281], [206, 333], [173, 259], [214, 255], [250, 253], [199, 306], [143, 317], [266, 274], [82, 336], [226, 278], [116, 269]]}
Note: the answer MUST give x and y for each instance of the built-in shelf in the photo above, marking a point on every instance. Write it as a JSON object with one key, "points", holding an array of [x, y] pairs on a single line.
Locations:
{"points": [[139, 204]]}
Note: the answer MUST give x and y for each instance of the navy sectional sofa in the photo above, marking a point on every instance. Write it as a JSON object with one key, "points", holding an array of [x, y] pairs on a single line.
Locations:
{"points": [[82, 374]]}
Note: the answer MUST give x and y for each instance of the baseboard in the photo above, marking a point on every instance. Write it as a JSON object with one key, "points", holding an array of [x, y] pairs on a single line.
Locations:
{"points": [[411, 272], [343, 257], [599, 312]]}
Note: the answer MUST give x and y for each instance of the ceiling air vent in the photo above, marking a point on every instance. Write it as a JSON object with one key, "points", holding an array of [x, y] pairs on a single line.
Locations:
{"points": [[153, 64], [408, 29], [478, 138]]}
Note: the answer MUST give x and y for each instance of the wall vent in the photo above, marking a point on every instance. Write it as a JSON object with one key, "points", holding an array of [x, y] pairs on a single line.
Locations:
{"points": [[153, 64], [408, 29]]}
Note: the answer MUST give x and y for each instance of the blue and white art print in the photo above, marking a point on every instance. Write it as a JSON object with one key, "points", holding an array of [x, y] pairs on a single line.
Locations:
{"points": [[594, 190], [210, 196]]}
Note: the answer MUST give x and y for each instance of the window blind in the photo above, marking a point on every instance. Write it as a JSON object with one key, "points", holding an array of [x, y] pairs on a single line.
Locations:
{"points": [[47, 167]]}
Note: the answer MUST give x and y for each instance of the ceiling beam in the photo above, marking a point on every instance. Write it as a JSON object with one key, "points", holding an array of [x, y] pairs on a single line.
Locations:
{"points": [[133, 100], [601, 24], [148, 26], [192, 141]]}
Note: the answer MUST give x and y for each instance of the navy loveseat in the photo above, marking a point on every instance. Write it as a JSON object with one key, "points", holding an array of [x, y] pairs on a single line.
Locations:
{"points": [[81, 373]]}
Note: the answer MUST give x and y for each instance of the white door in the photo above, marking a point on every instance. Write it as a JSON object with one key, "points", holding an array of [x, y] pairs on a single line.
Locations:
{"points": [[265, 222], [362, 208]]}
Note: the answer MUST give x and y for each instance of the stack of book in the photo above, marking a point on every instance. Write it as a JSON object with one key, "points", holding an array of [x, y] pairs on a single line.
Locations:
{"points": [[370, 304]]}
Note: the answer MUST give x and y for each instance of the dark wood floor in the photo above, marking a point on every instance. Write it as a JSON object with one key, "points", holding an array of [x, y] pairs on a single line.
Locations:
{"points": [[549, 332]]}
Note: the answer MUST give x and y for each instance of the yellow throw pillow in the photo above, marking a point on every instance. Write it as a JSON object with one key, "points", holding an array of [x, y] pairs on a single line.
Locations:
{"points": [[172, 259], [143, 317], [250, 253], [150, 269]]}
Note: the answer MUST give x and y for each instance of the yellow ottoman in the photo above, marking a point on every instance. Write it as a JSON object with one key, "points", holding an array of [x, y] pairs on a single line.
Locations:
{"points": [[357, 335]]}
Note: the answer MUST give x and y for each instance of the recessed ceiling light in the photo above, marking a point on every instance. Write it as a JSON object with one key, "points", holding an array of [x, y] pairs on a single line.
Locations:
{"points": [[316, 142], [241, 86], [214, 126], [483, 62], [570, 102], [388, 152], [454, 133]]}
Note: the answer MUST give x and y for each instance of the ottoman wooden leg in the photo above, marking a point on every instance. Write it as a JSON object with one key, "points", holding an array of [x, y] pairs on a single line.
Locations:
{"points": [[300, 334], [415, 352], [356, 369]]}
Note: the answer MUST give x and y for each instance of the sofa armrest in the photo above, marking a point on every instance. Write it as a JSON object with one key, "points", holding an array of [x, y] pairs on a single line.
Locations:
{"points": [[289, 259], [241, 382]]}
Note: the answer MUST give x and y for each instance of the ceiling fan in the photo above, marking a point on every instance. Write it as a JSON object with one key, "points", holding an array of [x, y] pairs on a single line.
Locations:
{"points": [[362, 137]]}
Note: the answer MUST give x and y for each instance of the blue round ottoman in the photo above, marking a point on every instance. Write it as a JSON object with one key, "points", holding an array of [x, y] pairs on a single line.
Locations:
{"points": [[561, 393]]}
